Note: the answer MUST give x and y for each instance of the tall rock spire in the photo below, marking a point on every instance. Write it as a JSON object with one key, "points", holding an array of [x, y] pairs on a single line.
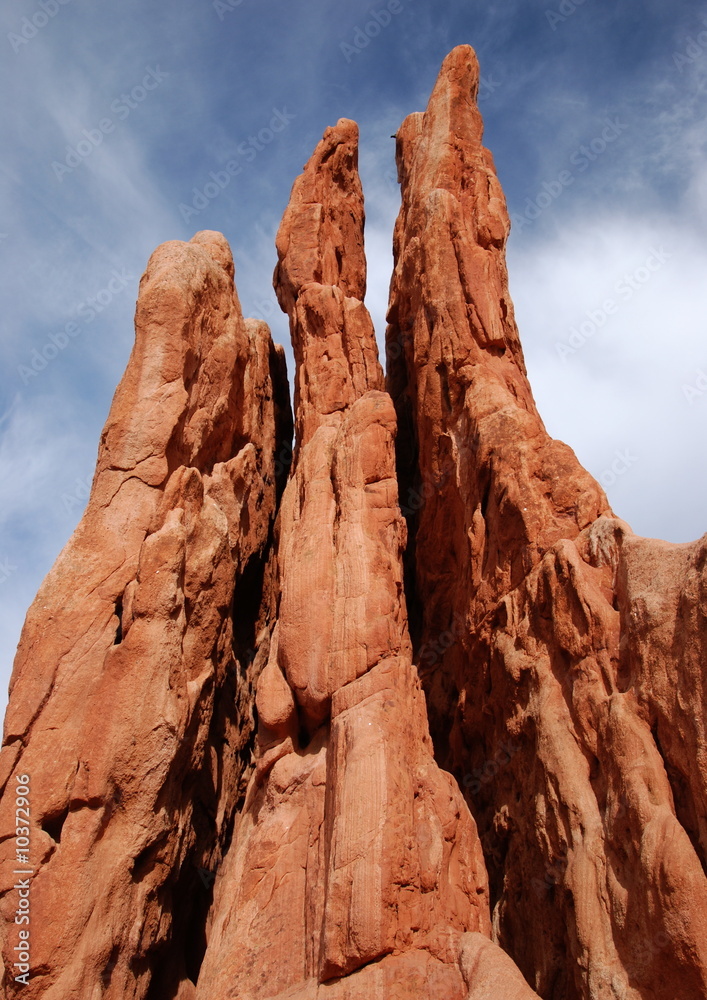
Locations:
{"points": [[553, 689], [129, 704], [377, 884]]}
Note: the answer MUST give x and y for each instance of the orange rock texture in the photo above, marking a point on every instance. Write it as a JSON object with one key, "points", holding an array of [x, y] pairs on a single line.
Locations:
{"points": [[412, 716], [131, 699], [353, 847], [563, 658]]}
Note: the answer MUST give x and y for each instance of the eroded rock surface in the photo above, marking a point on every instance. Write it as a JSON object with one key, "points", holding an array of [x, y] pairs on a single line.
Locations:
{"points": [[130, 704], [562, 657], [356, 862]]}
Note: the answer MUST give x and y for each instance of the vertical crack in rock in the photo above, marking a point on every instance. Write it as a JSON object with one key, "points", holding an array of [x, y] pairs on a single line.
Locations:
{"points": [[553, 642], [128, 706]]}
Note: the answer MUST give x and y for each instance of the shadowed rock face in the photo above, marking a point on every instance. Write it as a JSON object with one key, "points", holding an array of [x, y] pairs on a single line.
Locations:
{"points": [[562, 657], [217, 698]]}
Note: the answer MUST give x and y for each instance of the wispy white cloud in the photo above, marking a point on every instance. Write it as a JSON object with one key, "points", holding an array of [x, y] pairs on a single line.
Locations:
{"points": [[43, 477], [607, 380], [623, 386]]}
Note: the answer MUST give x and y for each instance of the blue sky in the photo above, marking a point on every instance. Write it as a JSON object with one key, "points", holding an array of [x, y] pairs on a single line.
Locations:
{"points": [[116, 116]]}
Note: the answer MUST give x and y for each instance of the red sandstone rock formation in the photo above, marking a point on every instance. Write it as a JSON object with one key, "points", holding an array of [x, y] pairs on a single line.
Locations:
{"points": [[129, 701], [216, 695], [355, 856], [562, 657]]}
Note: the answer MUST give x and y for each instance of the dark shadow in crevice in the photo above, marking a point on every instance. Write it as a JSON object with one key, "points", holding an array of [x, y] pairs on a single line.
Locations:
{"points": [[188, 894], [119, 615], [110, 966], [53, 824], [247, 599], [409, 494]]}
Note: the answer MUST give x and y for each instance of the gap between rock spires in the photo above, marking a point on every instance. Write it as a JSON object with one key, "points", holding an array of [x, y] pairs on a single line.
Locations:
{"points": [[311, 748]]}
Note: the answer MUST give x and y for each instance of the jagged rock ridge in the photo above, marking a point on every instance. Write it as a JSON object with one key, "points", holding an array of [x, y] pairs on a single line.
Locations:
{"points": [[570, 698], [218, 693]]}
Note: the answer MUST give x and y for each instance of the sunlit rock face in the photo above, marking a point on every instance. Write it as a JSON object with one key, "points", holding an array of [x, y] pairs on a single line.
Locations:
{"points": [[562, 657]]}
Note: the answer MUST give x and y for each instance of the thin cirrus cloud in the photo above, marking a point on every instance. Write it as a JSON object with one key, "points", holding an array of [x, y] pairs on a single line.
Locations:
{"points": [[72, 237]]}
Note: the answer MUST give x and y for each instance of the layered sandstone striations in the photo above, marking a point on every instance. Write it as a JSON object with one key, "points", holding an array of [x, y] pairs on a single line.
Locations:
{"points": [[130, 706], [562, 657]]}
